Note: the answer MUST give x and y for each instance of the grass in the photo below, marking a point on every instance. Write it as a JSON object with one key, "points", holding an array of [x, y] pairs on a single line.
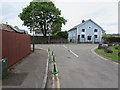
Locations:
{"points": [[113, 56]]}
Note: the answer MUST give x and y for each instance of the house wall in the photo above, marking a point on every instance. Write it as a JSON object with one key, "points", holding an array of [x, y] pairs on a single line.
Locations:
{"points": [[89, 32], [72, 35], [15, 46]]}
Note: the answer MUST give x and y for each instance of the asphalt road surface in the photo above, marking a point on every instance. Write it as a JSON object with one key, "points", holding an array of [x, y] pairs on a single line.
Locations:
{"points": [[79, 67]]}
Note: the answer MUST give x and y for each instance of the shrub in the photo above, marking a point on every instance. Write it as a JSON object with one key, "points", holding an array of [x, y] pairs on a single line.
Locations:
{"points": [[62, 34], [116, 47], [112, 39]]}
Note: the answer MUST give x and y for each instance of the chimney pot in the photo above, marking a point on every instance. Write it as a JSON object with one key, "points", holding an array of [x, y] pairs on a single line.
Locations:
{"points": [[83, 21]]}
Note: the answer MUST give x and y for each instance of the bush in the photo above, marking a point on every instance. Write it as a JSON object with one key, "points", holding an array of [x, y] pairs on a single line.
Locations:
{"points": [[62, 34], [112, 39], [116, 47]]}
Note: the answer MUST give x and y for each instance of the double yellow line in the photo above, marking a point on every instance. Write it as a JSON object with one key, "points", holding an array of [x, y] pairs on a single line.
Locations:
{"points": [[55, 77]]}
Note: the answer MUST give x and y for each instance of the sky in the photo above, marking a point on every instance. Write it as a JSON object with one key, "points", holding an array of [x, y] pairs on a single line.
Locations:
{"points": [[103, 12]]}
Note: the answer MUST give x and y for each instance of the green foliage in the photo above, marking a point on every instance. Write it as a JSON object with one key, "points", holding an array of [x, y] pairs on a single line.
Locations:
{"points": [[113, 55], [116, 47], [16, 27], [42, 16], [113, 39], [106, 35], [63, 34]]}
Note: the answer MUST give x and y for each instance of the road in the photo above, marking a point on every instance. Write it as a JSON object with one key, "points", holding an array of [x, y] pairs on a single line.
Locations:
{"points": [[80, 68]]}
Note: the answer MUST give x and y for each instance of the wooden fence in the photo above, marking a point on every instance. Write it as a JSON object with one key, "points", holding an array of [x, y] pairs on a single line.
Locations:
{"points": [[15, 46]]}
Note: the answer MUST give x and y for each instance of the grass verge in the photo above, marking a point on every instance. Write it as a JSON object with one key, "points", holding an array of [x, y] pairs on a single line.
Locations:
{"points": [[113, 56]]}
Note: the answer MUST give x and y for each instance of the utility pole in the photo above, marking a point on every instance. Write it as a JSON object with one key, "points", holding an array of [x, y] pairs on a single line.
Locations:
{"points": [[33, 30]]}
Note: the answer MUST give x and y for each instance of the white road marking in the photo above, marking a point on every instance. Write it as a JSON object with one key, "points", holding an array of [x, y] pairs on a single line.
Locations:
{"points": [[71, 51], [64, 46], [74, 53]]}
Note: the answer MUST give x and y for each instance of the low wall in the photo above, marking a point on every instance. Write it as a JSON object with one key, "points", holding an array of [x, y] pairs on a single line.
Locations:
{"points": [[0, 44], [15, 46], [44, 40]]}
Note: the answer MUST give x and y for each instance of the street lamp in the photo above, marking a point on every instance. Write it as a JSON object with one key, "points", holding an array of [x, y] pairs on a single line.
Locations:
{"points": [[33, 29]]}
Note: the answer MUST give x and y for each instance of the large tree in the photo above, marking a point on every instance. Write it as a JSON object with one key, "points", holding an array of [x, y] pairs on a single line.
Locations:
{"points": [[41, 16]]}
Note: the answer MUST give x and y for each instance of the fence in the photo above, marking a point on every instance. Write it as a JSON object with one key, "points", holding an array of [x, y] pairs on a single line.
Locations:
{"points": [[15, 46], [0, 44]]}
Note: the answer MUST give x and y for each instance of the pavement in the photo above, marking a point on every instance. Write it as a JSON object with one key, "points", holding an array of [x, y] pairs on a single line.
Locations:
{"points": [[28, 73], [79, 67]]}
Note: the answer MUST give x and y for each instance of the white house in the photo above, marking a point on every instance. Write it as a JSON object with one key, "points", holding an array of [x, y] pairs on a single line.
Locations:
{"points": [[87, 31]]}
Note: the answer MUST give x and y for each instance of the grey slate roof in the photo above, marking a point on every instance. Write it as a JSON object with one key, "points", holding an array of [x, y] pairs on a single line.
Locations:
{"points": [[83, 24], [18, 31]]}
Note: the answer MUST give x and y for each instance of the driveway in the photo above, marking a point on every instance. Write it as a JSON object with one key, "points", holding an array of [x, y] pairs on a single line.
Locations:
{"points": [[80, 68]]}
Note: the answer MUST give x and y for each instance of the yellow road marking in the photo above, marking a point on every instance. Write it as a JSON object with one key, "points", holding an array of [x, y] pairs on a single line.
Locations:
{"points": [[53, 79], [56, 82]]}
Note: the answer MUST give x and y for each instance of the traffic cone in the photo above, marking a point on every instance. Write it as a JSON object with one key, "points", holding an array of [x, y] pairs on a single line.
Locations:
{"points": [[48, 49], [53, 60], [54, 70], [52, 53]]}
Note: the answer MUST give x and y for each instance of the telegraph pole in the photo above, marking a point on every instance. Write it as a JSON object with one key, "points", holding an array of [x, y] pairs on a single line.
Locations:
{"points": [[33, 30]]}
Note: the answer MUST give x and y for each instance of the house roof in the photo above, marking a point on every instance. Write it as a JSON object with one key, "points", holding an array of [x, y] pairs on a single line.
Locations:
{"points": [[11, 28], [81, 24]]}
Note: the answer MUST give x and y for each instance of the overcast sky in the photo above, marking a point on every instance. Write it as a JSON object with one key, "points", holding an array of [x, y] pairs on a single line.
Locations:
{"points": [[103, 12]]}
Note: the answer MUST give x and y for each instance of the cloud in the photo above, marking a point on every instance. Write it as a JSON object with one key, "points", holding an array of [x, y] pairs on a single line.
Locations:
{"points": [[15, 0], [16, 21], [11, 9], [85, 0], [103, 13]]}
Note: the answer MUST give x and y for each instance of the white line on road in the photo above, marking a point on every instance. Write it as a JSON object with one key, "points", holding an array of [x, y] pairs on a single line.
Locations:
{"points": [[71, 51], [74, 53], [64, 46]]}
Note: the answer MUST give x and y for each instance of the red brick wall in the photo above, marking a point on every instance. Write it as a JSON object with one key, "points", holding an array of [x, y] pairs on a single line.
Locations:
{"points": [[15, 46]]}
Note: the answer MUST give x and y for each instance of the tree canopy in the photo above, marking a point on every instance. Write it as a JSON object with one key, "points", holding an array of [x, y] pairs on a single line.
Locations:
{"points": [[42, 16]]}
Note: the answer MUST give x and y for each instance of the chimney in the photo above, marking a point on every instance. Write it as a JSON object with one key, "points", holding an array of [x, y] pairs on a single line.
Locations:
{"points": [[83, 21], [6, 23]]}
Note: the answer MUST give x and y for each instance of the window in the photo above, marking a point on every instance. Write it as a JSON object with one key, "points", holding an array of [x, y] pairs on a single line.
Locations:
{"points": [[89, 37], [83, 30], [95, 36], [89, 27], [83, 36], [95, 30]]}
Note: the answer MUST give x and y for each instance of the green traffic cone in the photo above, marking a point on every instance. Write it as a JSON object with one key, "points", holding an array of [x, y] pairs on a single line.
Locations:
{"points": [[53, 60], [54, 70], [52, 53], [48, 49]]}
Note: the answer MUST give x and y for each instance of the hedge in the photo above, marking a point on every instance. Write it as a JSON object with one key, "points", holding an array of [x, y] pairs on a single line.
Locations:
{"points": [[112, 40]]}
